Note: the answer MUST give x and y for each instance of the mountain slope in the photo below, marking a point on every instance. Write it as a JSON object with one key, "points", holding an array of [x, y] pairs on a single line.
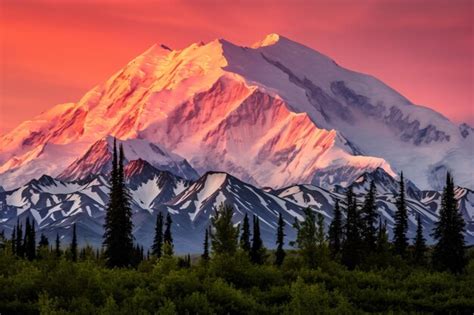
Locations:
{"points": [[298, 116]]}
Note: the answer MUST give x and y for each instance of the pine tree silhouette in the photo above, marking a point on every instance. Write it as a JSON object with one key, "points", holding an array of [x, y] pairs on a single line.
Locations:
{"points": [[369, 218], [400, 241], [450, 250], [205, 253], [419, 243], [157, 247], [335, 233], [280, 241], [73, 247], [224, 235], [245, 236], [351, 249], [167, 236], [118, 238], [257, 251]]}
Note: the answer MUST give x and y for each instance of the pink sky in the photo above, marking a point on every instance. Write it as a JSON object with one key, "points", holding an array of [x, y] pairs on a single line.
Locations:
{"points": [[54, 51]]}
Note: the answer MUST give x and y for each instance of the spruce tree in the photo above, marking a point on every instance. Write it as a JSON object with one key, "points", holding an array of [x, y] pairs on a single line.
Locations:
{"points": [[167, 236], [13, 239], [245, 236], [57, 249], [280, 241], [306, 238], [400, 240], [29, 242], [224, 235], [419, 243], [335, 233], [19, 239], [118, 238], [157, 246], [369, 219], [351, 249], [73, 247], [257, 251], [44, 242], [205, 253], [382, 245], [450, 250]]}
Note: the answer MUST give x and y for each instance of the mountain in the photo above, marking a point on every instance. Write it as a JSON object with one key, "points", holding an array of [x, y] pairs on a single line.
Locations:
{"points": [[274, 114], [98, 159], [55, 205]]}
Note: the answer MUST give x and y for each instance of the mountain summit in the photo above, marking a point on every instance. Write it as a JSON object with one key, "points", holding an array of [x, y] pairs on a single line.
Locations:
{"points": [[275, 114]]}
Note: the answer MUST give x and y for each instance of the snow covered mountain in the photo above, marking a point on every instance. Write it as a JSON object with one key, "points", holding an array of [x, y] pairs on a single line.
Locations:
{"points": [[55, 205], [274, 114], [98, 159]]}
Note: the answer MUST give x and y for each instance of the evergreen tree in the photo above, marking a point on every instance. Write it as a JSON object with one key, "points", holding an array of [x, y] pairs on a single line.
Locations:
{"points": [[351, 249], [280, 241], [369, 219], [73, 247], [167, 236], [224, 235], [118, 238], [29, 242], [19, 239], [245, 236], [13, 239], [157, 247], [58, 246], [449, 251], [257, 251], [306, 238], [419, 243], [205, 253], [44, 242], [400, 241], [382, 245], [335, 233]]}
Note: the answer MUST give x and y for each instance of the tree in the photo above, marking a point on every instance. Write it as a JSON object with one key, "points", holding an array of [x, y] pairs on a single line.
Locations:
{"points": [[257, 251], [400, 241], [19, 239], [351, 249], [245, 236], [335, 233], [280, 241], [205, 253], [306, 238], [450, 250], [157, 246], [118, 238], [224, 235], [167, 236], [29, 242], [13, 239], [44, 242], [419, 243], [58, 246], [73, 247], [369, 219]]}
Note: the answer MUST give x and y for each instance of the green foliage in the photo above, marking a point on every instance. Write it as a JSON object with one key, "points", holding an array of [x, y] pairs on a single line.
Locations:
{"points": [[225, 235], [226, 285], [245, 235], [352, 246], [335, 233], [307, 238], [257, 251]]}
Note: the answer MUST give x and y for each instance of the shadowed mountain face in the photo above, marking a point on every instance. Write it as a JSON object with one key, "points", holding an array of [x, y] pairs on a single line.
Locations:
{"points": [[275, 114], [55, 205]]}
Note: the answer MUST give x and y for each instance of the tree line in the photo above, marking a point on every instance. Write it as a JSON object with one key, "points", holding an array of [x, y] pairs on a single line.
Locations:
{"points": [[356, 236]]}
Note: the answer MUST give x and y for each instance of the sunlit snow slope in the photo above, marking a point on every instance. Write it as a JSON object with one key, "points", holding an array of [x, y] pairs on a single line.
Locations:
{"points": [[275, 114]]}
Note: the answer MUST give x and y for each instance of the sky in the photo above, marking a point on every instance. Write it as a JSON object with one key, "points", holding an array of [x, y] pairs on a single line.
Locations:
{"points": [[54, 51]]}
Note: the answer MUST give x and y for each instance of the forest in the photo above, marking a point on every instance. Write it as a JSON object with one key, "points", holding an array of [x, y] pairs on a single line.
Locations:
{"points": [[350, 268]]}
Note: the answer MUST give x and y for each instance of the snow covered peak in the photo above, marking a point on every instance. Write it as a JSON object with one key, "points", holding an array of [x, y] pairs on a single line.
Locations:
{"points": [[282, 103], [269, 40]]}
